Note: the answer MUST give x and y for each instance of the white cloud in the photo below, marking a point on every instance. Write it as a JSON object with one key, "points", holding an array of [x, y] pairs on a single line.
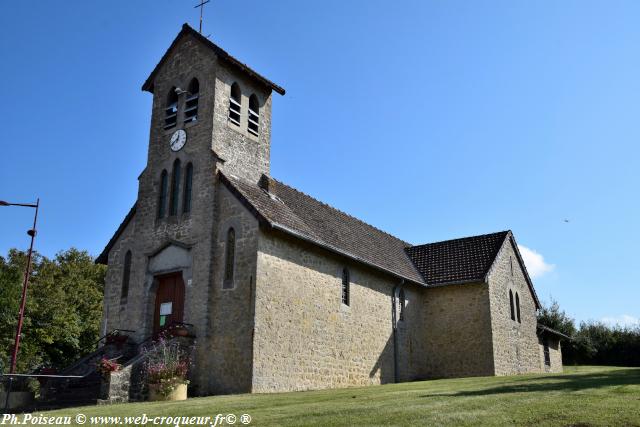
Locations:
{"points": [[624, 320], [536, 266]]}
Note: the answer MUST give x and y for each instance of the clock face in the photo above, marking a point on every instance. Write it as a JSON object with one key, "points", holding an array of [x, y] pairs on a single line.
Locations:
{"points": [[178, 139]]}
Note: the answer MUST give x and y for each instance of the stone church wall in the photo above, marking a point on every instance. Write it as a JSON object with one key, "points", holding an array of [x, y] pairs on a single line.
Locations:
{"points": [[458, 331], [555, 356], [245, 155], [515, 345], [227, 348], [305, 338], [113, 310]]}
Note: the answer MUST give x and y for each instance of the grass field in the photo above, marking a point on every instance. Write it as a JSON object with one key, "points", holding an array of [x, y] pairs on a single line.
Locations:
{"points": [[582, 396]]}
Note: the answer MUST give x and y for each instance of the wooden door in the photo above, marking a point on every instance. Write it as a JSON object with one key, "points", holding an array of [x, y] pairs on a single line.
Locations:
{"points": [[169, 301]]}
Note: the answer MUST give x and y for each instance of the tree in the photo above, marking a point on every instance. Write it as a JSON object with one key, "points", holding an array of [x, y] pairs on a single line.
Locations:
{"points": [[64, 307]]}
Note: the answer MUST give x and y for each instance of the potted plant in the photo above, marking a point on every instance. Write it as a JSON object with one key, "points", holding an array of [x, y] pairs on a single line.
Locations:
{"points": [[178, 330], [106, 366], [166, 371]]}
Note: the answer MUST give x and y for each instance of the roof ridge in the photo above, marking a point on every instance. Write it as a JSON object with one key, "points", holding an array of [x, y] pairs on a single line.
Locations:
{"points": [[462, 238], [342, 212]]}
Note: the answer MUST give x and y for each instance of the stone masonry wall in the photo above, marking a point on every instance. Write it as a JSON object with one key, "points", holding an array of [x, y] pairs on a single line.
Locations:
{"points": [[113, 316], [228, 344], [245, 155], [555, 356], [515, 345], [457, 328], [305, 338]]}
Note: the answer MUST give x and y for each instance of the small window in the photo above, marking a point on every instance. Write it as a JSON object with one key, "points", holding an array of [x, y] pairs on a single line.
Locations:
{"points": [[235, 104], [191, 103], [186, 196], [162, 202], [518, 307], [175, 188], [511, 265], [171, 109], [401, 299], [346, 282], [547, 356], [254, 115], [229, 262], [126, 274], [513, 313]]}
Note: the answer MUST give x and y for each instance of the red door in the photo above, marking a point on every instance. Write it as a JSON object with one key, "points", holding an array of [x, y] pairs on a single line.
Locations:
{"points": [[169, 301]]}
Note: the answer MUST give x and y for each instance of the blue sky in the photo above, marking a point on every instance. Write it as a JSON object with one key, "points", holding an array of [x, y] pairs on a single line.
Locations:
{"points": [[429, 119]]}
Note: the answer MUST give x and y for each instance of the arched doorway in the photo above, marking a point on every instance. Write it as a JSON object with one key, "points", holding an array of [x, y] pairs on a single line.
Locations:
{"points": [[169, 307]]}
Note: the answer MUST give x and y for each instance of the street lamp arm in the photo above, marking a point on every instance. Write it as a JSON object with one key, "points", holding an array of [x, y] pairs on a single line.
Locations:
{"points": [[26, 205]]}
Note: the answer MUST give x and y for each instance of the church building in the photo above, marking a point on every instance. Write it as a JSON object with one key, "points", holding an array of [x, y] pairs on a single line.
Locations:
{"points": [[282, 291]]}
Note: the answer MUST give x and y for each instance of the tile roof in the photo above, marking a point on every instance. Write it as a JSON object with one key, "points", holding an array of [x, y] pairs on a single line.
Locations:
{"points": [[287, 209], [221, 53], [542, 329], [457, 261]]}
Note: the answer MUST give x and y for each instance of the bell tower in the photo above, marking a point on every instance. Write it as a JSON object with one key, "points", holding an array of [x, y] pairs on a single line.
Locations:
{"points": [[206, 102]]}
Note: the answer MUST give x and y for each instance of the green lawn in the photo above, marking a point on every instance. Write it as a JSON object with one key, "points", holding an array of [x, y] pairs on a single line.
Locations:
{"points": [[582, 396]]}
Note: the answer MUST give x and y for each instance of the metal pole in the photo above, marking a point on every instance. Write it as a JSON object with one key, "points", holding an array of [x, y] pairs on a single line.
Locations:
{"points": [[25, 284]]}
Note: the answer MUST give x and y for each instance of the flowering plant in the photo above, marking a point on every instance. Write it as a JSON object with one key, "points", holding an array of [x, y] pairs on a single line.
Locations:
{"points": [[167, 366], [106, 366]]}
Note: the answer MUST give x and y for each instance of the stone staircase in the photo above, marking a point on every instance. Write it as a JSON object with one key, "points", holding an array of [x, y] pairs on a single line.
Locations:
{"points": [[86, 390], [122, 386]]}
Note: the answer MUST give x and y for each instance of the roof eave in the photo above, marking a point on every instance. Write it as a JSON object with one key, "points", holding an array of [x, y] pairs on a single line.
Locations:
{"points": [[457, 282], [338, 251], [542, 328]]}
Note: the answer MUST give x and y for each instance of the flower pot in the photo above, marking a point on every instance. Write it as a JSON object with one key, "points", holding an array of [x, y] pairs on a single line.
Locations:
{"points": [[179, 332], [178, 393]]}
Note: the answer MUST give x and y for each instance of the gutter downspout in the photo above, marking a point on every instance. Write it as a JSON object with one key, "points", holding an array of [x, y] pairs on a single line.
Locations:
{"points": [[395, 329]]}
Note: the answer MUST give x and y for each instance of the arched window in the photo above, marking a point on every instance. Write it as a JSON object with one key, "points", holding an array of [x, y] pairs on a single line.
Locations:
{"points": [[254, 115], [126, 274], [401, 299], [229, 262], [518, 307], [162, 201], [513, 313], [171, 109], [235, 104], [191, 104], [186, 195], [175, 188], [346, 282]]}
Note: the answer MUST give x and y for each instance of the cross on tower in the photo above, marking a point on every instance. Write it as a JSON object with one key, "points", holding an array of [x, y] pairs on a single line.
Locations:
{"points": [[201, 6]]}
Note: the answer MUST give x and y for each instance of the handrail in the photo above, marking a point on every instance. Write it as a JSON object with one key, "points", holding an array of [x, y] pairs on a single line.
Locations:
{"points": [[39, 376], [96, 351], [112, 333]]}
